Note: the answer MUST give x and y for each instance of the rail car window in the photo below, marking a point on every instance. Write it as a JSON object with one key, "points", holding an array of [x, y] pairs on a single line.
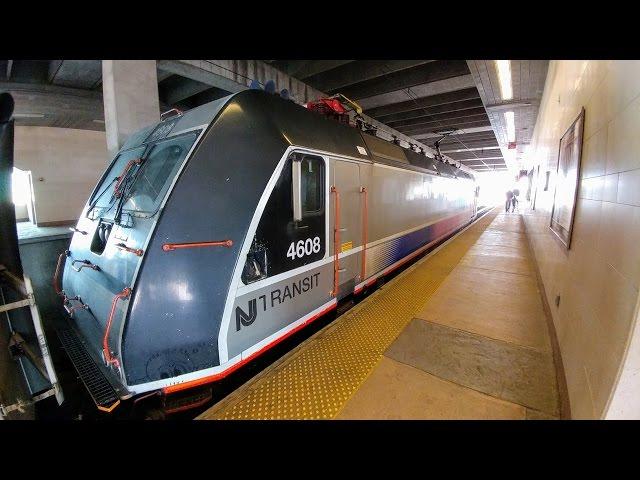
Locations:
{"points": [[282, 241]]}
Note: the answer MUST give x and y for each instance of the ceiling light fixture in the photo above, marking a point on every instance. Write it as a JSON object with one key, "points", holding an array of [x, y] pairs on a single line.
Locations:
{"points": [[511, 126], [504, 76], [28, 115]]}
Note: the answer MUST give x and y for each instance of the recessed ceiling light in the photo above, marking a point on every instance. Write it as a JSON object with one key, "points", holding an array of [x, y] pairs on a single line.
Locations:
{"points": [[504, 76], [511, 126]]}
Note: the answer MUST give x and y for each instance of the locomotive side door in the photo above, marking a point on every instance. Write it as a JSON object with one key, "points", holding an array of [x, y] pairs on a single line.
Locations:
{"points": [[345, 224]]}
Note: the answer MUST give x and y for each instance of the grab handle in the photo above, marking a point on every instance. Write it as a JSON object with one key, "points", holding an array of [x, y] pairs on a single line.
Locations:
{"points": [[106, 351], [169, 247], [85, 264], [336, 242], [135, 251]]}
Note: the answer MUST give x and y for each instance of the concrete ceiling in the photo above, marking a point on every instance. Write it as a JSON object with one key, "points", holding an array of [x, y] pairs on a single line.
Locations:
{"points": [[527, 81], [423, 99], [68, 93]]}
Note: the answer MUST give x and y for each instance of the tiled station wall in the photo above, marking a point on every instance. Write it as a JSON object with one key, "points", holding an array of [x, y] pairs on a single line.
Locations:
{"points": [[598, 278]]}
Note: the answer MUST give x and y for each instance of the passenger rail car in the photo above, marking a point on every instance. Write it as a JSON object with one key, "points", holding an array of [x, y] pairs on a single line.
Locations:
{"points": [[216, 233]]}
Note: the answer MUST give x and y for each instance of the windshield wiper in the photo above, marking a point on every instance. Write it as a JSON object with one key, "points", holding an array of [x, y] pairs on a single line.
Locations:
{"points": [[93, 204], [123, 187]]}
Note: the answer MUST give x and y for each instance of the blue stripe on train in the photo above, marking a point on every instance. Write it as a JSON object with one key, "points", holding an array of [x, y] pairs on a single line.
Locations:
{"points": [[384, 255]]}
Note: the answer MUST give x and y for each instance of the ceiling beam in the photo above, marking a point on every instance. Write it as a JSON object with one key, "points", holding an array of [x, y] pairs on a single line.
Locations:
{"points": [[201, 75], [418, 91], [444, 127], [478, 136], [303, 69], [54, 66], [205, 96], [487, 160], [175, 89], [421, 74], [460, 143], [451, 141], [358, 72], [470, 112], [163, 74], [85, 74], [49, 89], [462, 131], [51, 105], [410, 105], [442, 123], [470, 156], [487, 168], [420, 112], [482, 163], [30, 71], [469, 148]]}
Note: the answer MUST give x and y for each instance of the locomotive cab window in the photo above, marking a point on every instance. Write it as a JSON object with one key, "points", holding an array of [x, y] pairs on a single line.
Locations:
{"points": [[291, 232], [307, 186]]}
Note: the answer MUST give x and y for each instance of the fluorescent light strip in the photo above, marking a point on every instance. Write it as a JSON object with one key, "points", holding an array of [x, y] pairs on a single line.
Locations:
{"points": [[504, 76], [511, 126], [28, 115]]}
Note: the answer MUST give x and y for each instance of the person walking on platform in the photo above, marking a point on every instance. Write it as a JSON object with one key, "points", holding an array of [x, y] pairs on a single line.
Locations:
{"points": [[514, 200], [510, 197]]}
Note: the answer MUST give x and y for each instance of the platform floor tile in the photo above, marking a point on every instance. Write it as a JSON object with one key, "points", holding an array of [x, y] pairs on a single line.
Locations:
{"points": [[503, 370], [482, 335], [500, 305], [396, 391]]}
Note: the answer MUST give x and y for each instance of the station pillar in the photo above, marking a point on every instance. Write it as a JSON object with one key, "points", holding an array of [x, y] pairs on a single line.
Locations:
{"points": [[130, 94]]}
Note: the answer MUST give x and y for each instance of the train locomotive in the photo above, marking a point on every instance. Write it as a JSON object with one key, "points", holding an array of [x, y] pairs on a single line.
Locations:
{"points": [[217, 233]]}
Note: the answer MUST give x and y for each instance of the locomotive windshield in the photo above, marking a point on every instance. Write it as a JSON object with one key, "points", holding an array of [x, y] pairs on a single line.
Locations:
{"points": [[156, 173], [137, 181], [103, 197]]}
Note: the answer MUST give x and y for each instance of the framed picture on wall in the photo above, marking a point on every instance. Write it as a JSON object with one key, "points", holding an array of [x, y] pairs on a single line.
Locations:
{"points": [[567, 180]]}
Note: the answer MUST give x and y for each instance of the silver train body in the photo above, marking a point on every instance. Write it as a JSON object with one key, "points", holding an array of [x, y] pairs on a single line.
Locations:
{"points": [[268, 216]]}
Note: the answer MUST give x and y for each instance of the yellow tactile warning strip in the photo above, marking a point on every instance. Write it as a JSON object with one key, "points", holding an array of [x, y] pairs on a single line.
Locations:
{"points": [[316, 379]]}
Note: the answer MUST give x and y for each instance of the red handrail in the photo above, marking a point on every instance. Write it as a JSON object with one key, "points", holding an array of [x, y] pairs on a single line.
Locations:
{"points": [[336, 242], [105, 339], [169, 247], [365, 222]]}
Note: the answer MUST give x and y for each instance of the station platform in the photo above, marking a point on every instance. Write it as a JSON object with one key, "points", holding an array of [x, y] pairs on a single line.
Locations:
{"points": [[461, 334]]}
